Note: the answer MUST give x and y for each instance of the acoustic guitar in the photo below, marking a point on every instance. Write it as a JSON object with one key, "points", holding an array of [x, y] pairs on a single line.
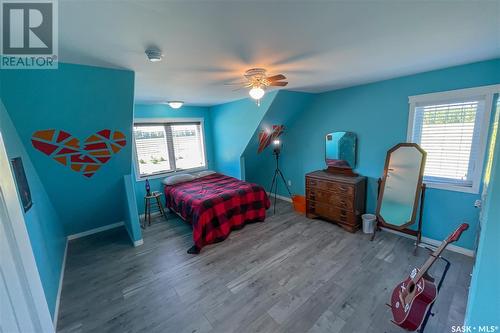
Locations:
{"points": [[412, 297]]}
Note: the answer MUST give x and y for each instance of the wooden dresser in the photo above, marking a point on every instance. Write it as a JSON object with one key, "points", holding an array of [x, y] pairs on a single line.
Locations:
{"points": [[336, 198]]}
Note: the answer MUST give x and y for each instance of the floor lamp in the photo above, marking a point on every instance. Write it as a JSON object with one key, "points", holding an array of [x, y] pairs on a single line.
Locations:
{"points": [[277, 174]]}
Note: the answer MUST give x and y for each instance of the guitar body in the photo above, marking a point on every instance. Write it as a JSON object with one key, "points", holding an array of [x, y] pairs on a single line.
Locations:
{"points": [[409, 302], [411, 299]]}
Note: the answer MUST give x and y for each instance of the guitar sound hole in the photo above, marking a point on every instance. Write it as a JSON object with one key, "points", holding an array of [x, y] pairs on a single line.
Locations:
{"points": [[411, 288]]}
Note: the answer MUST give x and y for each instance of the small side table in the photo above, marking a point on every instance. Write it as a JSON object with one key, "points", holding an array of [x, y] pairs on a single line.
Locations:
{"points": [[147, 207]]}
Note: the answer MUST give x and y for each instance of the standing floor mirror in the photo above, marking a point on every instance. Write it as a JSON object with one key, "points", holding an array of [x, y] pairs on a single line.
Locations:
{"points": [[401, 190]]}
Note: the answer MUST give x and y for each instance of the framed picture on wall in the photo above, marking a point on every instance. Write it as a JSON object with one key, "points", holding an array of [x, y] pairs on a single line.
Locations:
{"points": [[22, 183]]}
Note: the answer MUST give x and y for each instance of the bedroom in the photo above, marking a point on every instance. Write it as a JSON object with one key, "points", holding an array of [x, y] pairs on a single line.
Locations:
{"points": [[92, 140]]}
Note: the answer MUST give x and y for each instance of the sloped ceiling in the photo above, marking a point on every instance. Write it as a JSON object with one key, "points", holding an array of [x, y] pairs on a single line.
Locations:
{"points": [[283, 111], [319, 45]]}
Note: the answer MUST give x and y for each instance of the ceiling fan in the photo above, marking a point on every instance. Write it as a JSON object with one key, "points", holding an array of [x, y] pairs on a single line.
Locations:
{"points": [[258, 80]]}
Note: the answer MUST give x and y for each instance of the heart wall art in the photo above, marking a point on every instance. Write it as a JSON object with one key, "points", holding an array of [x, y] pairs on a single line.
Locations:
{"points": [[86, 158]]}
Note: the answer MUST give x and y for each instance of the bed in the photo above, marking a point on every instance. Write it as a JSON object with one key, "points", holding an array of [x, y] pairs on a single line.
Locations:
{"points": [[215, 205]]}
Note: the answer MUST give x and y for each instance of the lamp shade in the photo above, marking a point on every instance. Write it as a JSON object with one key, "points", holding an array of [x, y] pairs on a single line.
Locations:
{"points": [[256, 93]]}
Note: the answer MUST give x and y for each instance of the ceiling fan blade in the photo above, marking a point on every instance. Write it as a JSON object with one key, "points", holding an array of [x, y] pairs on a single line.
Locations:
{"points": [[278, 84], [276, 77], [236, 83]]}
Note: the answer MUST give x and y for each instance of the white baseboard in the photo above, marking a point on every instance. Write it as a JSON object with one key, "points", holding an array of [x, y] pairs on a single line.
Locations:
{"points": [[141, 216], [96, 230], [281, 197], [426, 240], [59, 290], [433, 242], [136, 243]]}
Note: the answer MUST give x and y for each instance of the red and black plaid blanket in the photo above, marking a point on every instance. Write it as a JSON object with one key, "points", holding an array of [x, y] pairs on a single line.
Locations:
{"points": [[215, 205]]}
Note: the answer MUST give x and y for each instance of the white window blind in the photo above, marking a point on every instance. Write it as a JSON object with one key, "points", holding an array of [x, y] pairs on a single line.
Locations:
{"points": [[450, 134], [168, 147], [188, 146], [151, 149]]}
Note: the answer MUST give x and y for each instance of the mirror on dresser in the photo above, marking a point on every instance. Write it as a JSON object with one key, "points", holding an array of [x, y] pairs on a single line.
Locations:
{"points": [[337, 194], [340, 152]]}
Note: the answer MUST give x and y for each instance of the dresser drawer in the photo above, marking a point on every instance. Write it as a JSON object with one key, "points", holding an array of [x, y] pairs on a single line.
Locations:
{"points": [[342, 189], [333, 198], [331, 212]]}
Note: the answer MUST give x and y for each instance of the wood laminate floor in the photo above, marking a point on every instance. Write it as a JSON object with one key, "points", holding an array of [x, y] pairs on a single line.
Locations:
{"points": [[288, 274]]}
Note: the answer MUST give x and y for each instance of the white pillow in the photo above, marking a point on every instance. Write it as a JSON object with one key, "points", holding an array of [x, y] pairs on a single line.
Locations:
{"points": [[204, 173], [176, 179]]}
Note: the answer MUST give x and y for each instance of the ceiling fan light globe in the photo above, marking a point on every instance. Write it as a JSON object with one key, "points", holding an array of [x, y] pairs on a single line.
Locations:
{"points": [[256, 93]]}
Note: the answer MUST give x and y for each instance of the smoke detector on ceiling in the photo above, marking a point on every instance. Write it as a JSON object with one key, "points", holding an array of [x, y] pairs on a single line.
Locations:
{"points": [[154, 54]]}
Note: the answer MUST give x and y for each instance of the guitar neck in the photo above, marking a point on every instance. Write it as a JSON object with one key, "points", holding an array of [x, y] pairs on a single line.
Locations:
{"points": [[430, 261]]}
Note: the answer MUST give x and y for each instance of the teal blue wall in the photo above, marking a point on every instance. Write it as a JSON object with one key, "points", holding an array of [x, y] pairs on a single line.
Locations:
{"points": [[483, 306], [132, 223], [164, 111], [44, 227], [234, 124], [284, 108], [378, 114], [81, 100]]}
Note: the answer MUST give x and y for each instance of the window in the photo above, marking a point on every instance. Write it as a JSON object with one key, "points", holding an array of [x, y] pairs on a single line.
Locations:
{"points": [[168, 147], [452, 128]]}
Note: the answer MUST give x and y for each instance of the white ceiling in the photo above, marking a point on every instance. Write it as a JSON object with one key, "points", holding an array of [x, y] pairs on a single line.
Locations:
{"points": [[318, 45]]}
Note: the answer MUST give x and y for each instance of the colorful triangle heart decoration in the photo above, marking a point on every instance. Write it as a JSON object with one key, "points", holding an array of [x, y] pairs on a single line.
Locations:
{"points": [[64, 148]]}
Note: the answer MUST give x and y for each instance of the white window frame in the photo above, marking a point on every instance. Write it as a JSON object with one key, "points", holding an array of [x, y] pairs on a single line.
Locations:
{"points": [[486, 93], [140, 121]]}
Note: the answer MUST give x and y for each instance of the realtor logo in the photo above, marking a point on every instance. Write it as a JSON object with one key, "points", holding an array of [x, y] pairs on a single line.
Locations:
{"points": [[29, 34]]}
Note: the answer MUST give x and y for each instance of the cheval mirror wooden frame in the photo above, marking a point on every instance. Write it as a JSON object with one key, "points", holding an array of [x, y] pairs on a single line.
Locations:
{"points": [[418, 203]]}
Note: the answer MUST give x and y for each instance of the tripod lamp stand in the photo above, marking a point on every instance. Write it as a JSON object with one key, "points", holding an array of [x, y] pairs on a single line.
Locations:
{"points": [[277, 173]]}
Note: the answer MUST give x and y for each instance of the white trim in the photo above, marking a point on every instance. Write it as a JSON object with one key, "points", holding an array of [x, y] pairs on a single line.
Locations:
{"points": [[138, 242], [59, 289], [29, 277], [166, 120], [96, 230], [153, 214], [483, 141], [445, 96], [451, 247], [169, 173], [281, 197], [435, 243], [455, 188], [411, 120], [485, 92], [162, 120]]}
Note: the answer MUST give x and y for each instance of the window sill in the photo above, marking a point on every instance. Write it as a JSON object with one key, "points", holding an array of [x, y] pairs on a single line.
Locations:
{"points": [[170, 173], [454, 188]]}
